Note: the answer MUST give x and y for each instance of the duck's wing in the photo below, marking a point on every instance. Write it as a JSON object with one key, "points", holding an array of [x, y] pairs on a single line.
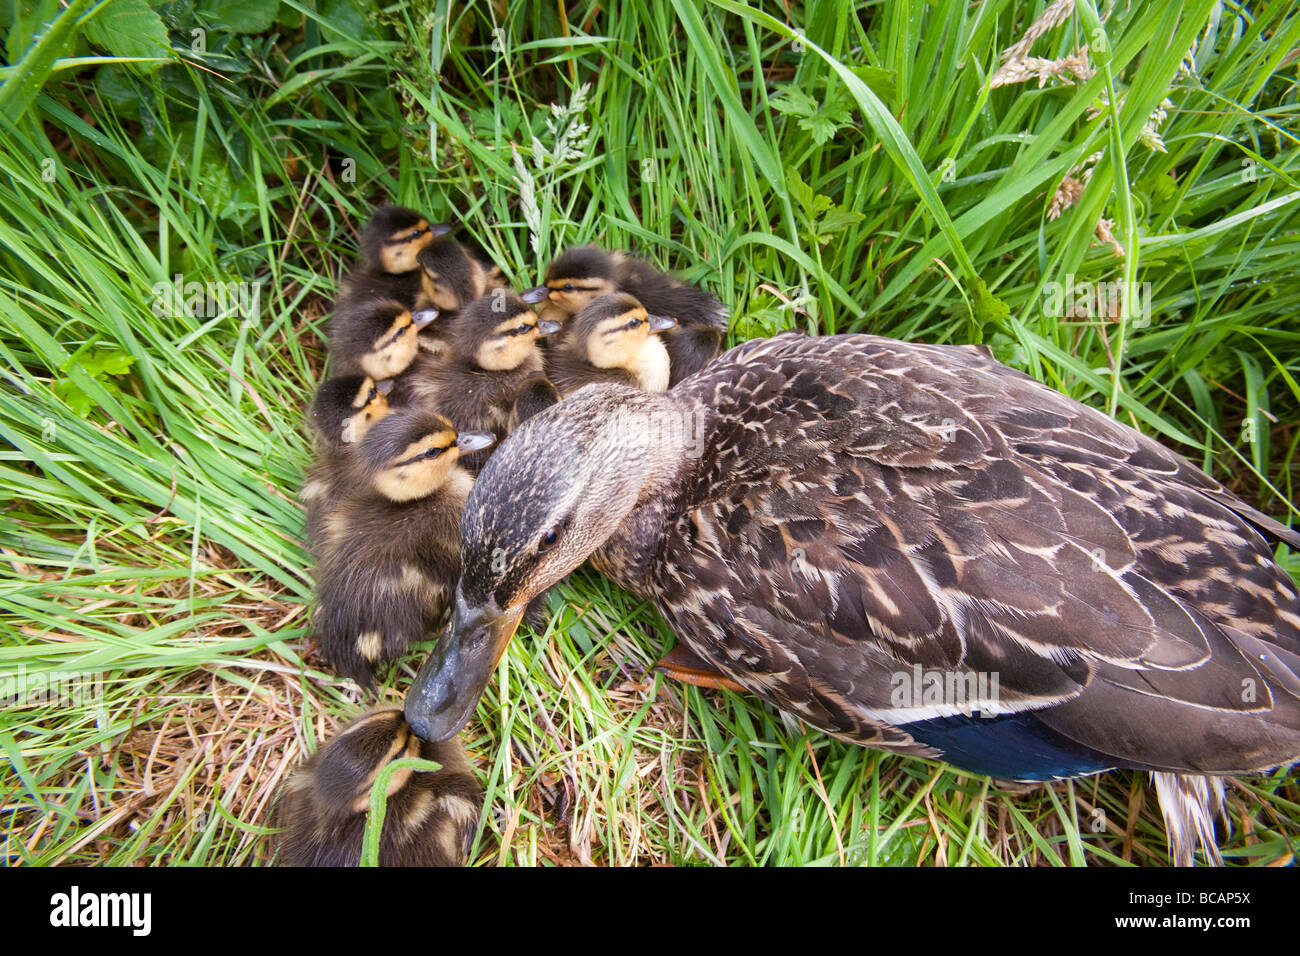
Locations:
{"points": [[878, 526]]}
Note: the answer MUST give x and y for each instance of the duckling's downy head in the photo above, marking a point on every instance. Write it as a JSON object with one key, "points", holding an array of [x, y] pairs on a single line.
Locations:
{"points": [[579, 275], [347, 405], [550, 496], [615, 329], [395, 235], [431, 815], [382, 335], [411, 453], [498, 331], [451, 279]]}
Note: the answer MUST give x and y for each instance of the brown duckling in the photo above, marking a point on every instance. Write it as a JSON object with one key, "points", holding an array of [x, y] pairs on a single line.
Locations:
{"points": [[390, 243], [582, 273], [375, 337], [451, 277], [491, 350], [535, 395], [611, 339], [340, 416], [388, 547], [346, 406], [430, 818]]}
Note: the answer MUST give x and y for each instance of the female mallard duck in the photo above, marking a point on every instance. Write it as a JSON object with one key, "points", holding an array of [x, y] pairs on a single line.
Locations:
{"points": [[835, 524], [431, 815], [388, 547], [581, 274], [611, 339], [390, 244], [375, 337], [490, 351]]}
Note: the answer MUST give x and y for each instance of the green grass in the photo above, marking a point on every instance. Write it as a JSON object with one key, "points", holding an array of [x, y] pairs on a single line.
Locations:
{"points": [[823, 169]]}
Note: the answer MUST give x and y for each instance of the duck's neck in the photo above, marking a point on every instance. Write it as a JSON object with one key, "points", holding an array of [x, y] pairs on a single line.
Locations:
{"points": [[674, 431]]}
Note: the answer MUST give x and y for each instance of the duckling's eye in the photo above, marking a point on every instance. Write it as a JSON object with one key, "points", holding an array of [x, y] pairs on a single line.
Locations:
{"points": [[569, 287], [634, 323], [548, 540], [374, 393], [523, 329]]}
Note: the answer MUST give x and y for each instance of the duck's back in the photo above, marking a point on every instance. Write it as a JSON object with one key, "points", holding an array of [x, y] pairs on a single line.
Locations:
{"points": [[916, 547]]}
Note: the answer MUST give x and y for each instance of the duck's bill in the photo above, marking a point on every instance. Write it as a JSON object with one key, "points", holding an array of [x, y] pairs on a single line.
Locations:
{"points": [[548, 327], [534, 296], [439, 228], [424, 317], [474, 441], [661, 323], [384, 386], [448, 687]]}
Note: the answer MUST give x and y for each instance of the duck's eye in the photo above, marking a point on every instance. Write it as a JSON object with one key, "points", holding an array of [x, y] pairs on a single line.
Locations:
{"points": [[523, 329], [374, 393], [434, 452], [569, 287], [548, 540], [634, 323]]}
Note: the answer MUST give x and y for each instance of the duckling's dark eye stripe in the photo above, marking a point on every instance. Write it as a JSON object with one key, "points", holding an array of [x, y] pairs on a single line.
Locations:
{"points": [[423, 456], [399, 240], [384, 343]]}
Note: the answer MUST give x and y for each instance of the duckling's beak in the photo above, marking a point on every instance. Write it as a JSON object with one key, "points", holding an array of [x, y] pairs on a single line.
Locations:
{"points": [[384, 386], [534, 296], [451, 681], [474, 441], [661, 323], [548, 327], [423, 317], [437, 229]]}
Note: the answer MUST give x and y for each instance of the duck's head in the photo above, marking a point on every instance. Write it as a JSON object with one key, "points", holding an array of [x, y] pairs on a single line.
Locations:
{"points": [[577, 277], [549, 497], [384, 337], [394, 237], [347, 405], [411, 453], [614, 330], [498, 331]]}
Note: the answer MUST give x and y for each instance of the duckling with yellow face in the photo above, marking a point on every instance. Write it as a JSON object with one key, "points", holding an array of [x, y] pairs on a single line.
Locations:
{"points": [[451, 277], [391, 243], [611, 339], [340, 416], [491, 350], [580, 275], [431, 816], [379, 338], [388, 547]]}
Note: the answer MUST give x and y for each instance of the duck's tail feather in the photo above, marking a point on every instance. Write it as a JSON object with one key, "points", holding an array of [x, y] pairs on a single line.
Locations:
{"points": [[1189, 803]]}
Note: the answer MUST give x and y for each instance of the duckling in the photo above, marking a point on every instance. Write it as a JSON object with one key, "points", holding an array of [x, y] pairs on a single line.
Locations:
{"points": [[341, 414], [390, 243], [430, 818], [375, 337], [491, 350], [388, 547], [910, 547], [582, 273], [535, 395], [611, 339], [346, 406], [451, 277]]}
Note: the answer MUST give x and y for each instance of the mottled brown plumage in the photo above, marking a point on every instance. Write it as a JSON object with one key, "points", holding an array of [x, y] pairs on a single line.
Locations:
{"points": [[430, 816], [818, 518]]}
